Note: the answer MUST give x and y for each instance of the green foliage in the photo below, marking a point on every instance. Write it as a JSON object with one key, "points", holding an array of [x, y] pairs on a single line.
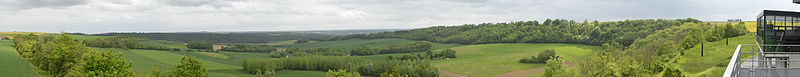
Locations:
{"points": [[268, 73], [106, 64], [125, 42], [189, 67], [673, 72], [228, 37], [319, 51], [156, 72], [199, 45], [302, 41], [551, 31], [61, 55], [413, 68], [364, 51], [341, 73], [249, 48], [655, 53], [542, 58], [418, 46], [555, 68], [448, 53]]}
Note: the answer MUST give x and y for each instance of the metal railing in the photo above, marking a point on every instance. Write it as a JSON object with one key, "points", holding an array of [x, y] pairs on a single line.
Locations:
{"points": [[762, 64]]}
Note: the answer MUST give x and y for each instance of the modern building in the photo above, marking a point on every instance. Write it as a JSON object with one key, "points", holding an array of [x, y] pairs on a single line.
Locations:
{"points": [[776, 52]]}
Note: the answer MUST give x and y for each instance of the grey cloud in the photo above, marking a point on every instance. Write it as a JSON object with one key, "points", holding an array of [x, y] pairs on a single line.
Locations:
{"points": [[28, 4], [271, 15]]}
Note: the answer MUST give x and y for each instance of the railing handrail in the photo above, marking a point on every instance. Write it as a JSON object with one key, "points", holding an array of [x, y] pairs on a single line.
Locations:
{"points": [[732, 64]]}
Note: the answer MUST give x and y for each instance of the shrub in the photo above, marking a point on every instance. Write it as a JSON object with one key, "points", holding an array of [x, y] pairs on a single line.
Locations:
{"points": [[341, 73], [200, 45]]}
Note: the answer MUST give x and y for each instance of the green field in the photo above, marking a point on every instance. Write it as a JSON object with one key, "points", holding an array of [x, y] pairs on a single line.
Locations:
{"points": [[355, 43], [145, 60], [491, 59], [13, 65], [715, 58]]}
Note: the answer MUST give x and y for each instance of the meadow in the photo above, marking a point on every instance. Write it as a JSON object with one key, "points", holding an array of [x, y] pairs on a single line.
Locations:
{"points": [[485, 60], [12, 64]]}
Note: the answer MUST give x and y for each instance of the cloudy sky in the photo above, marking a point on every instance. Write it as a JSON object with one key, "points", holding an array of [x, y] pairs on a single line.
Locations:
{"points": [[100, 16]]}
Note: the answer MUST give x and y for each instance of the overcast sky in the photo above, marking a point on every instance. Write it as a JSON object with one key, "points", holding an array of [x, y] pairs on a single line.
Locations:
{"points": [[100, 16]]}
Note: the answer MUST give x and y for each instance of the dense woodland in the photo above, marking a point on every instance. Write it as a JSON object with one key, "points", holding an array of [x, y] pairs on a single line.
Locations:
{"points": [[233, 37], [408, 47], [125, 42], [62, 56], [549, 31]]}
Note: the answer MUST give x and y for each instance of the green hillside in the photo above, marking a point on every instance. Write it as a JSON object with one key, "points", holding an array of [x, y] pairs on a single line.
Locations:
{"points": [[12, 64], [715, 58], [491, 59]]}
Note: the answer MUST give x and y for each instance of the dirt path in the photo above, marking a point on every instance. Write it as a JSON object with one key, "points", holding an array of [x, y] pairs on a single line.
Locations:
{"points": [[445, 73], [528, 71]]}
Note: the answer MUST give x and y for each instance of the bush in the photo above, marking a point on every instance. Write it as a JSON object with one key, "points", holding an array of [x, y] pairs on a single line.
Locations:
{"points": [[448, 53], [106, 64], [341, 73], [189, 67], [542, 58]]}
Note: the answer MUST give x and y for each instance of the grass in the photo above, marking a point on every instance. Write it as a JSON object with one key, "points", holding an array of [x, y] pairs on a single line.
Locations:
{"points": [[145, 60], [12, 64], [491, 59], [715, 57], [215, 55], [355, 43]]}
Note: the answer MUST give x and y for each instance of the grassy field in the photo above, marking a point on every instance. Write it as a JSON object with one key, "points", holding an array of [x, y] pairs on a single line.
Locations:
{"points": [[490, 59], [355, 43], [13, 65], [145, 60], [715, 58]]}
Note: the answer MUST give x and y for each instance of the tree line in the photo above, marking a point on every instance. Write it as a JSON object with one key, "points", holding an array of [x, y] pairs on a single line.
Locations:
{"points": [[125, 42], [221, 37], [62, 56], [382, 68], [549, 31], [408, 47], [249, 48]]}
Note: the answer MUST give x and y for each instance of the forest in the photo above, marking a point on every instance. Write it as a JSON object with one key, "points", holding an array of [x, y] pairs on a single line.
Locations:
{"points": [[549, 31], [220, 37]]}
